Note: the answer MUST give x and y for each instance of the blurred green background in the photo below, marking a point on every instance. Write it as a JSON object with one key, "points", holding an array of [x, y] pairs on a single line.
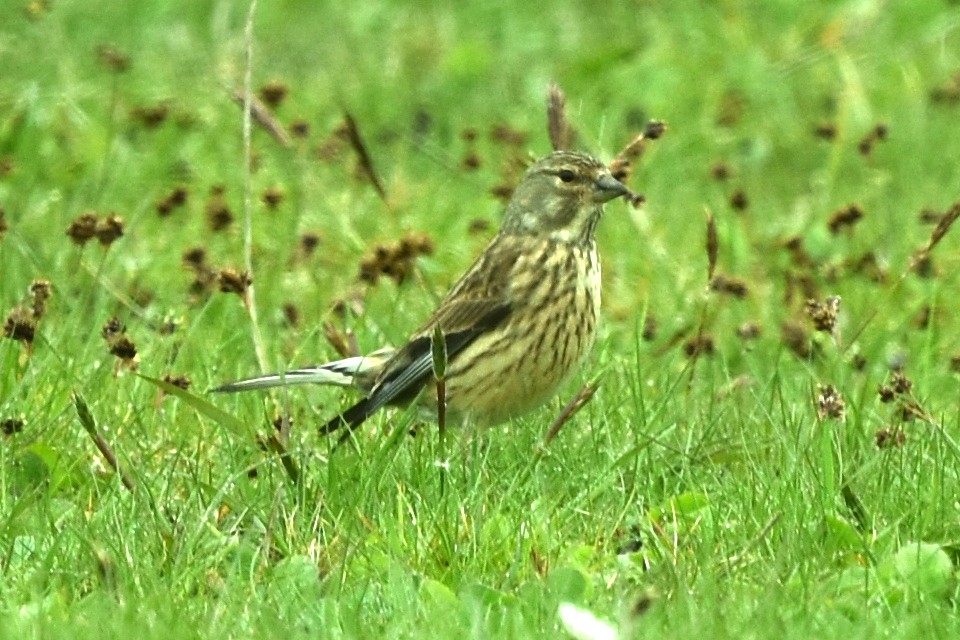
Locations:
{"points": [[706, 486]]}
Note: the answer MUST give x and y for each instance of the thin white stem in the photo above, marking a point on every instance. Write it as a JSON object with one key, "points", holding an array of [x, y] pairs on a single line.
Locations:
{"points": [[248, 188]]}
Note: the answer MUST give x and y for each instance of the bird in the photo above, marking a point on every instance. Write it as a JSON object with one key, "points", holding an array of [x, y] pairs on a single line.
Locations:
{"points": [[517, 324]]}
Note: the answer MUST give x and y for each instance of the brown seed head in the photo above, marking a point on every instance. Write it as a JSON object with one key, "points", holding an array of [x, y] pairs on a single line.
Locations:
{"points": [[924, 266], [20, 325], [830, 403], [887, 394], [948, 92], [798, 253], [649, 333], [729, 285], [112, 328], [844, 218], [124, 348], [869, 266], [273, 93], [877, 134], [698, 345], [195, 258], [83, 228], [181, 381], [890, 437], [173, 200], [299, 128], [823, 314], [111, 58], [478, 226], [749, 331], [471, 161], [309, 242], [272, 196], [721, 171], [900, 383], [109, 229], [416, 244], [502, 192], [395, 260], [654, 129], [218, 213], [40, 291], [291, 315], [826, 131], [151, 116], [739, 201], [233, 281], [506, 135], [11, 426], [858, 362], [955, 363]]}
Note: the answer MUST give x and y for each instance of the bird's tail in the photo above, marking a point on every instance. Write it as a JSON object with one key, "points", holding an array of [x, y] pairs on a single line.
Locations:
{"points": [[357, 371]]}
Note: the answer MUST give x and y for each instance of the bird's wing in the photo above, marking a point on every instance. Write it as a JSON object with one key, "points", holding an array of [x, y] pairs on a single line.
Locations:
{"points": [[478, 302], [404, 375]]}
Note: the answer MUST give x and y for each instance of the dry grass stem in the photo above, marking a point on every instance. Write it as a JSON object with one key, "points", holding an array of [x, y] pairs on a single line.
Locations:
{"points": [[261, 115], [352, 134], [561, 134], [582, 397]]}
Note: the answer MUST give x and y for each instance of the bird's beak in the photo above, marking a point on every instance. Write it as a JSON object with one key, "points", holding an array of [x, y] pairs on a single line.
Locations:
{"points": [[607, 188]]}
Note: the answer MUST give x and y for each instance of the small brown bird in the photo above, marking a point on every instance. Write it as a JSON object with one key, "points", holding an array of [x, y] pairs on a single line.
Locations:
{"points": [[518, 322]]}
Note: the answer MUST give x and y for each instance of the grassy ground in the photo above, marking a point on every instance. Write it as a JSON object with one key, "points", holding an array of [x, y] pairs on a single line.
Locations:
{"points": [[711, 488]]}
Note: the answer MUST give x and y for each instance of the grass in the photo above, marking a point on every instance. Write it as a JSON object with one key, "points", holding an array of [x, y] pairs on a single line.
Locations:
{"points": [[703, 495]]}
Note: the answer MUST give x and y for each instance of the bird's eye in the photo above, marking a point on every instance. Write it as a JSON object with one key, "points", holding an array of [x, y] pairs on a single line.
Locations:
{"points": [[567, 175]]}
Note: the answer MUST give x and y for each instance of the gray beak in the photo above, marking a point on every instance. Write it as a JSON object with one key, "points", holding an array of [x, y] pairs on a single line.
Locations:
{"points": [[607, 188]]}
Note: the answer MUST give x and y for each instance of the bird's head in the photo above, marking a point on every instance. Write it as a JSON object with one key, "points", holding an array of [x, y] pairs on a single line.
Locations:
{"points": [[561, 197]]}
